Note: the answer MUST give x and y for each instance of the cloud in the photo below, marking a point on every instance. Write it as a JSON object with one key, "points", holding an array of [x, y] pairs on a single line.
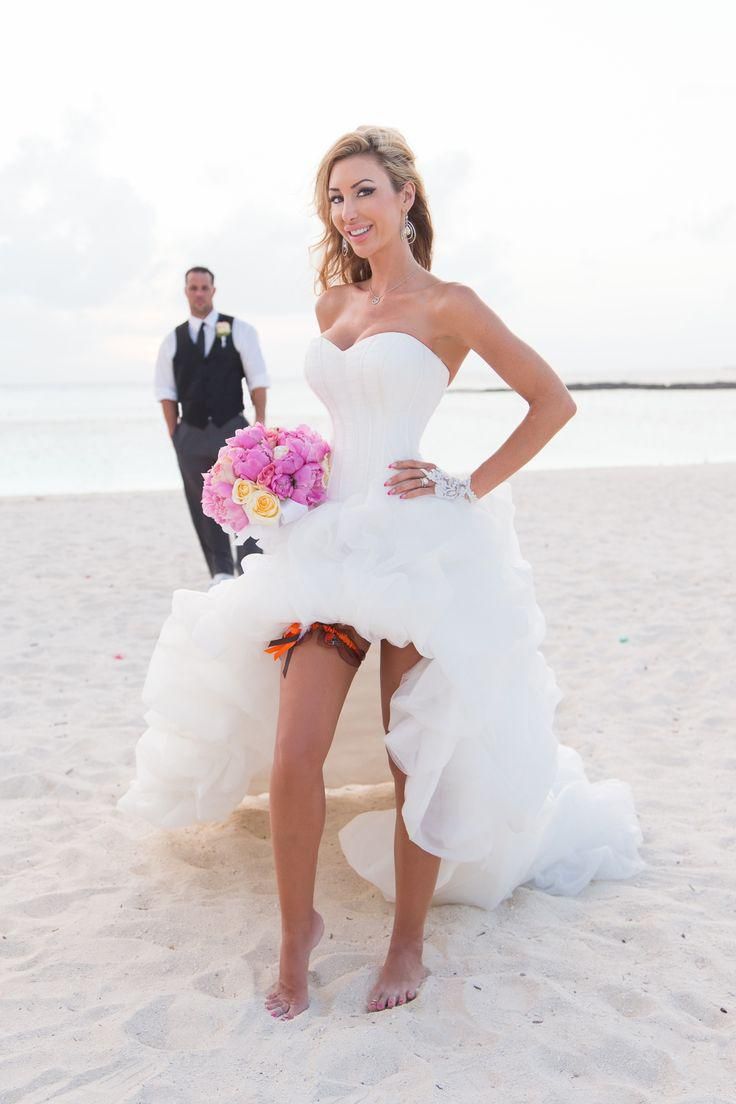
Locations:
{"points": [[262, 257], [462, 208], [70, 236]]}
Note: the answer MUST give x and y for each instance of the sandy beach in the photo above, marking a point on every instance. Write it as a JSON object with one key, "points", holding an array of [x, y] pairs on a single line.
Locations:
{"points": [[134, 961]]}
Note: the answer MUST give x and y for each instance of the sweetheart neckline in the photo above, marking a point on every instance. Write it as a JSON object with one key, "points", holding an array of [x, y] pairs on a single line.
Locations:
{"points": [[380, 333]]}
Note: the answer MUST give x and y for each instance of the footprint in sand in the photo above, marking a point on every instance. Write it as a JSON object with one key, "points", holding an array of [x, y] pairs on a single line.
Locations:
{"points": [[226, 984], [51, 904], [185, 1021]]}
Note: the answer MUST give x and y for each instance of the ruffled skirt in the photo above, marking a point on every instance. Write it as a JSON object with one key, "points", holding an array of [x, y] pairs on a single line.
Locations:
{"points": [[489, 788]]}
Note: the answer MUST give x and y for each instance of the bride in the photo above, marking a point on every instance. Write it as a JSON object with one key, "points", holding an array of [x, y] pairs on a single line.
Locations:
{"points": [[408, 558]]}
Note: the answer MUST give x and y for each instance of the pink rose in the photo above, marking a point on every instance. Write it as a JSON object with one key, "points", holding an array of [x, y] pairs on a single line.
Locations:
{"points": [[265, 475]]}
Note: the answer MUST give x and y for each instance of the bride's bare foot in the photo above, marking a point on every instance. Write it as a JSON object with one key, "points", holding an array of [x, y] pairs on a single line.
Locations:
{"points": [[400, 977], [289, 996]]}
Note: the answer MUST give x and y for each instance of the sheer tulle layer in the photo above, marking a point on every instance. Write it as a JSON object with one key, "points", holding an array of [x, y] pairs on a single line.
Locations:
{"points": [[489, 788]]}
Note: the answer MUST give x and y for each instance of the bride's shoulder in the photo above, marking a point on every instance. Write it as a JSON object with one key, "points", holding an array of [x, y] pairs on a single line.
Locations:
{"points": [[447, 297], [330, 303], [459, 309], [451, 294]]}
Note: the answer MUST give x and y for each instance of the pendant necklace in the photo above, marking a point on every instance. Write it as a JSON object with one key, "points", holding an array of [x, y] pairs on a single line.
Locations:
{"points": [[375, 299]]}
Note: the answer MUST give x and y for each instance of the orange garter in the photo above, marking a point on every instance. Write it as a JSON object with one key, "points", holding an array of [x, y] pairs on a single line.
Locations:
{"points": [[328, 635]]}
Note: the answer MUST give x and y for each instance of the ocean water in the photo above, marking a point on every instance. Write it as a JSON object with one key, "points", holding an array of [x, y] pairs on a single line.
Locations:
{"points": [[105, 438]]}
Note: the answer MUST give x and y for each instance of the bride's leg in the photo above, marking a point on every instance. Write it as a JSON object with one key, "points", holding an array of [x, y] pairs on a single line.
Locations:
{"points": [[312, 695], [416, 870]]}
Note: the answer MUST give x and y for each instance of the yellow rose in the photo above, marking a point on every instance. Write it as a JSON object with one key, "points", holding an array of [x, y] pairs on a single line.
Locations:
{"points": [[242, 490], [263, 508]]}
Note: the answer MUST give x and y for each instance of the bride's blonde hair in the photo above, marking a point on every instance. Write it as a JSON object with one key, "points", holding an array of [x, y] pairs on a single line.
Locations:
{"points": [[391, 150]]}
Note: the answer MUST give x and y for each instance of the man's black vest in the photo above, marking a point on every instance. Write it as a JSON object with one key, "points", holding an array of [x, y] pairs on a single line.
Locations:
{"points": [[208, 386]]}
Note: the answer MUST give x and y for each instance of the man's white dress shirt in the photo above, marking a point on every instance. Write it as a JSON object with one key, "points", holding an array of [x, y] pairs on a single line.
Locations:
{"points": [[245, 340]]}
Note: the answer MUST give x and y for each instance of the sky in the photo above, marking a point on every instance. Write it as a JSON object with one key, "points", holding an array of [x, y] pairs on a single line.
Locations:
{"points": [[578, 158]]}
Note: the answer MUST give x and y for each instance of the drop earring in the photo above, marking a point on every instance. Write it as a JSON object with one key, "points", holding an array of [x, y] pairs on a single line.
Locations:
{"points": [[345, 247], [408, 232]]}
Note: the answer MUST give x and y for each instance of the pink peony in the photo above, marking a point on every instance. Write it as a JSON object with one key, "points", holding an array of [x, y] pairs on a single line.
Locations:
{"points": [[297, 444], [234, 454], [287, 465], [282, 485], [248, 437], [210, 500], [234, 516], [313, 447], [220, 507], [308, 485], [222, 471], [255, 460], [306, 476], [317, 450]]}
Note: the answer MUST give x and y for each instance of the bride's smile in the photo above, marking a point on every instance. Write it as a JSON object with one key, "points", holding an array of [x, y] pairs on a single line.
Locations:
{"points": [[367, 211]]}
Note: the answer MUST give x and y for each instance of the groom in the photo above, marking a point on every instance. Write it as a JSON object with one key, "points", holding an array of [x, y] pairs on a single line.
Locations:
{"points": [[200, 368]]}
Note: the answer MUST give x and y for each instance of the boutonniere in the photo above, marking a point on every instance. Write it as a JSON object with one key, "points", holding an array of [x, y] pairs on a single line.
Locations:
{"points": [[222, 330]]}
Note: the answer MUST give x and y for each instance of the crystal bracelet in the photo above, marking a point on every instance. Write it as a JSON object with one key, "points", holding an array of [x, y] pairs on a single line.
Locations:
{"points": [[449, 486]]}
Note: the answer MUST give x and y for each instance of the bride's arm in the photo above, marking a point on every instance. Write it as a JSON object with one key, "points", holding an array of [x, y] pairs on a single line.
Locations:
{"points": [[551, 405], [469, 323]]}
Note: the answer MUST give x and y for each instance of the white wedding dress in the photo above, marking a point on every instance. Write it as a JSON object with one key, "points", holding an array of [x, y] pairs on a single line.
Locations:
{"points": [[489, 787]]}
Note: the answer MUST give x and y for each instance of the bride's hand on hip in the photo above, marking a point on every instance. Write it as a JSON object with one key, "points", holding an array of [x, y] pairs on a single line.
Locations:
{"points": [[411, 479], [417, 477]]}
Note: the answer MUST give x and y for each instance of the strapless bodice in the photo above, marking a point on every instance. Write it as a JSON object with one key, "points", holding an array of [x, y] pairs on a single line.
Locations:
{"points": [[380, 393]]}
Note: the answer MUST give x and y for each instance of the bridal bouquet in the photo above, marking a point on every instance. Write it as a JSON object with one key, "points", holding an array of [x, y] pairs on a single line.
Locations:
{"points": [[266, 477]]}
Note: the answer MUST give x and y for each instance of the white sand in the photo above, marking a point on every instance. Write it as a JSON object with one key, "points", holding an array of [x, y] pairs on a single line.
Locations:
{"points": [[134, 961]]}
